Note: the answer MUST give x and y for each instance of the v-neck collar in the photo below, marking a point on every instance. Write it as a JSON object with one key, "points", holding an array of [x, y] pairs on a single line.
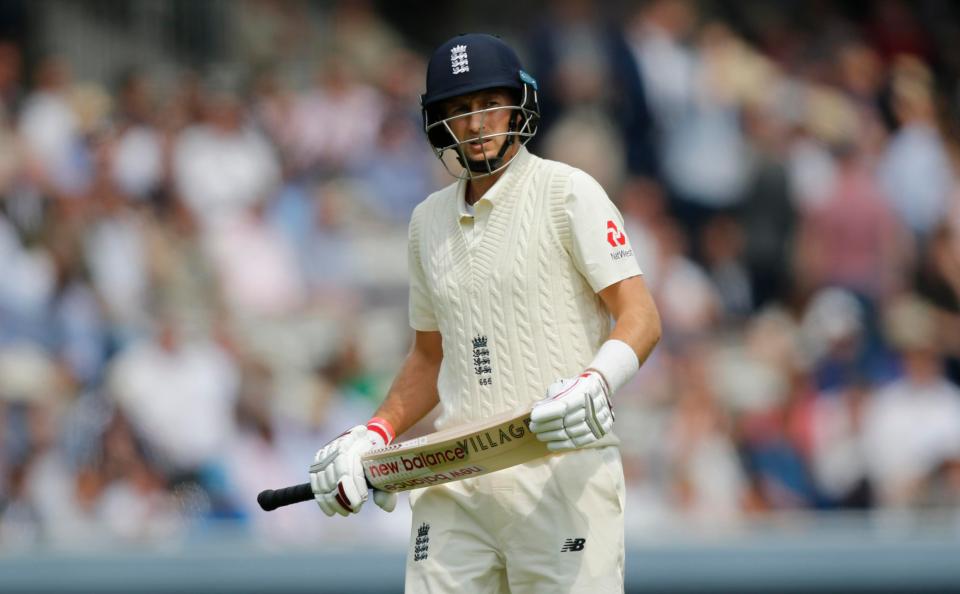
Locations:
{"points": [[491, 195], [474, 260]]}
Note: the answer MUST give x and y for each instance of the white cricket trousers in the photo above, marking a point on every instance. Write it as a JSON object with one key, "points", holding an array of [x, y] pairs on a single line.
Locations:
{"points": [[551, 526]]}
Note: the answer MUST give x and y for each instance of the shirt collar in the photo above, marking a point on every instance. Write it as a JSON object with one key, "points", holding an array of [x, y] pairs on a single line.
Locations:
{"points": [[517, 164]]}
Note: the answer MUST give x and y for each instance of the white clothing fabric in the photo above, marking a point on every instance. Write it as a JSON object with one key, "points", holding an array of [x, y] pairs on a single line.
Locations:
{"points": [[909, 430], [138, 163], [551, 525], [181, 401], [117, 253], [917, 176], [257, 267], [49, 128], [221, 173], [515, 298]]}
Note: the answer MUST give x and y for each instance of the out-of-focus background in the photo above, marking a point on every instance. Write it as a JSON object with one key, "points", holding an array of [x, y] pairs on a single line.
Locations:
{"points": [[203, 210]]}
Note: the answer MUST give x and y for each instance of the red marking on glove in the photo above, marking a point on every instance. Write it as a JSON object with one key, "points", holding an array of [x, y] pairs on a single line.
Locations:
{"points": [[572, 386], [341, 498]]}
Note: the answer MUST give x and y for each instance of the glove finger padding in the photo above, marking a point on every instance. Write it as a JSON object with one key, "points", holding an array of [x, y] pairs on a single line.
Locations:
{"points": [[546, 426], [574, 417], [579, 430], [556, 446], [385, 500], [548, 410], [557, 435]]}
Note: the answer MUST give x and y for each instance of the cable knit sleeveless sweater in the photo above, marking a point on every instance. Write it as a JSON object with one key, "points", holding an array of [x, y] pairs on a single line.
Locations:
{"points": [[514, 312]]}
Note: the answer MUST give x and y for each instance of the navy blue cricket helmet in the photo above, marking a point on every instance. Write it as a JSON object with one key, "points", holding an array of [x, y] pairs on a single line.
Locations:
{"points": [[475, 62]]}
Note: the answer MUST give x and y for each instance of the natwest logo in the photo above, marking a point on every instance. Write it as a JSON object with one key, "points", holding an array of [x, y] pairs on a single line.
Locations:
{"points": [[615, 236]]}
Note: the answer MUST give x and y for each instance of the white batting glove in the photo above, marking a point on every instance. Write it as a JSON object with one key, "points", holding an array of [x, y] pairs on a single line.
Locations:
{"points": [[575, 413], [336, 476]]}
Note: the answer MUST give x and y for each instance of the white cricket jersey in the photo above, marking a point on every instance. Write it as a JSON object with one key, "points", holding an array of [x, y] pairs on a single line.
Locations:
{"points": [[513, 288]]}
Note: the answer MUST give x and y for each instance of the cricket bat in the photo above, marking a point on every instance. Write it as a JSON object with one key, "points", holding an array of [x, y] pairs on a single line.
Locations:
{"points": [[470, 450]]}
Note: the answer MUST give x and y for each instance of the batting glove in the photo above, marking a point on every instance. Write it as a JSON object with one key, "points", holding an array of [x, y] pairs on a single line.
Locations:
{"points": [[336, 476], [575, 413]]}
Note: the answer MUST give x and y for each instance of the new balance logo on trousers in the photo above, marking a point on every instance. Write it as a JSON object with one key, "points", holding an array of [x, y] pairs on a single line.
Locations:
{"points": [[572, 545]]}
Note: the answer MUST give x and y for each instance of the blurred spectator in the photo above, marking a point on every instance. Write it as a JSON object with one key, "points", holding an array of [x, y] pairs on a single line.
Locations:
{"points": [[915, 169], [178, 393], [115, 246], [657, 35], [26, 286], [723, 245], [272, 106], [709, 483], [839, 458], [256, 266], [912, 426], [398, 172], [586, 139], [588, 74], [76, 318], [132, 497], [138, 160], [643, 205], [181, 275], [221, 165], [337, 121], [689, 303], [834, 331], [50, 128], [767, 214], [852, 239]]}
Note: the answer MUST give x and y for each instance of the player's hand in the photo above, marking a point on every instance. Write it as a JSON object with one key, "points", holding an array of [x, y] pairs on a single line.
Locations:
{"points": [[575, 413], [336, 475]]}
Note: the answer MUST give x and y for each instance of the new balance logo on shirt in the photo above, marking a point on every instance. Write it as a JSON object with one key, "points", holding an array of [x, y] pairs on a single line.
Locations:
{"points": [[573, 545]]}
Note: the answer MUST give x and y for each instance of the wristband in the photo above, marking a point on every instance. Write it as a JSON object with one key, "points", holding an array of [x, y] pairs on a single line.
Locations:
{"points": [[615, 363], [383, 428]]}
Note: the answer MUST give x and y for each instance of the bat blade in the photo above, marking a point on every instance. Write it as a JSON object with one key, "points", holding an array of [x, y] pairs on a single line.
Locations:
{"points": [[454, 454]]}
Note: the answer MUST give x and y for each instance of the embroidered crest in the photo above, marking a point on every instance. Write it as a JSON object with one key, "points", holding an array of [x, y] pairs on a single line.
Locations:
{"points": [[458, 59], [421, 546], [481, 360]]}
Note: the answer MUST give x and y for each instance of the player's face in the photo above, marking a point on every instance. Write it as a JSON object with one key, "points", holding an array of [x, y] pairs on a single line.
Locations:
{"points": [[480, 121]]}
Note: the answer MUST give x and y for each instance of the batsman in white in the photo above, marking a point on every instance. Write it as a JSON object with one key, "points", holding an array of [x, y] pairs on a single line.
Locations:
{"points": [[515, 272]]}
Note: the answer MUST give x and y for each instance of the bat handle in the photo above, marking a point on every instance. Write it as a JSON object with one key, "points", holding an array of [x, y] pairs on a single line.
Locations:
{"points": [[271, 499]]}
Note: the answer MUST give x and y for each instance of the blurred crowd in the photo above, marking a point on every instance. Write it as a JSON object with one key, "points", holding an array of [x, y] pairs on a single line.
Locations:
{"points": [[202, 278]]}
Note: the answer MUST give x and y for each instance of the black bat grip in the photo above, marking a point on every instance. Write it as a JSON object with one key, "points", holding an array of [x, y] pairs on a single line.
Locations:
{"points": [[271, 499]]}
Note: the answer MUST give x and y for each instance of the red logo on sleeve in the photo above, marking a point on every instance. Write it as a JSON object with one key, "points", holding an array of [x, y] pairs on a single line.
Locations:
{"points": [[615, 236]]}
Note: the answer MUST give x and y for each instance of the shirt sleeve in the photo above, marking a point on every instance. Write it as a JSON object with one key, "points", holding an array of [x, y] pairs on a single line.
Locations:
{"points": [[599, 245], [422, 316]]}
